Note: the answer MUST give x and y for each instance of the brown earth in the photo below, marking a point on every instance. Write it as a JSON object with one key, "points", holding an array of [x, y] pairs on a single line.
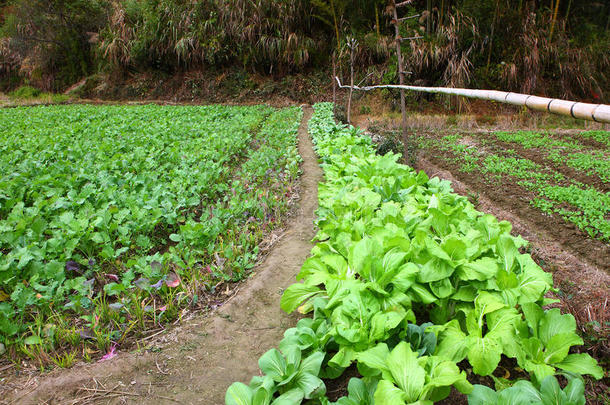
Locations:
{"points": [[196, 362]]}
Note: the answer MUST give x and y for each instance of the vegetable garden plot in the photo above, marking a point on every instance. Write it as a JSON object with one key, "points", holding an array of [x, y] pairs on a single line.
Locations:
{"points": [[124, 215], [415, 287], [599, 136], [554, 193], [588, 161]]}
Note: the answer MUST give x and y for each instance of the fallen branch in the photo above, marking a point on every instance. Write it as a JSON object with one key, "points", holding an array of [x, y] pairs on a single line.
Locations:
{"points": [[124, 393]]}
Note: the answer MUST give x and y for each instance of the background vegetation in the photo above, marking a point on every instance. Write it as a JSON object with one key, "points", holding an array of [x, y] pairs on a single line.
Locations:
{"points": [[553, 47]]}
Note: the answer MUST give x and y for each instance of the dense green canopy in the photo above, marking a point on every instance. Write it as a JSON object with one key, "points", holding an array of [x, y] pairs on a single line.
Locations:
{"points": [[560, 47]]}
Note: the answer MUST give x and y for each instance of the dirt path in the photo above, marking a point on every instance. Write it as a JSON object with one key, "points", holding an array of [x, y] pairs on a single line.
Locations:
{"points": [[195, 363]]}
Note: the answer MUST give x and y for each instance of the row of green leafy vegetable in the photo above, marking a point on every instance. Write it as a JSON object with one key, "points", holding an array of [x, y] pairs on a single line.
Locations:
{"points": [[575, 202], [599, 136], [407, 281], [563, 151], [105, 210]]}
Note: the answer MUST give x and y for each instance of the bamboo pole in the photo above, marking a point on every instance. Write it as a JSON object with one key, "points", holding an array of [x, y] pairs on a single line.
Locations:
{"points": [[585, 111], [554, 20]]}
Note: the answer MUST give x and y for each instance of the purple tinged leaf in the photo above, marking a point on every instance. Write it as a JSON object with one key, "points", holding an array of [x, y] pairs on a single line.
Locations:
{"points": [[156, 266], [112, 277], [142, 283], [89, 283], [158, 284], [71, 265], [91, 262], [111, 353], [86, 334], [172, 280]]}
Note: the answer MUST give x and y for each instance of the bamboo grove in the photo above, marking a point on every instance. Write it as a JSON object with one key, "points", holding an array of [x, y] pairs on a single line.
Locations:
{"points": [[557, 47]]}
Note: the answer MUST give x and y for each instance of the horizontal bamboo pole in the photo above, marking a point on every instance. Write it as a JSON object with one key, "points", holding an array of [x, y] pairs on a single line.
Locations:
{"points": [[585, 111]]}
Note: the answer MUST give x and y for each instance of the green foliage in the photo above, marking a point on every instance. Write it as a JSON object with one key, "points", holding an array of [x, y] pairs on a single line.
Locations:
{"points": [[525, 393], [592, 163], [55, 43], [262, 36], [552, 335], [394, 246], [25, 92], [588, 207], [103, 208], [52, 38], [25, 95], [599, 136], [409, 379], [289, 374]]}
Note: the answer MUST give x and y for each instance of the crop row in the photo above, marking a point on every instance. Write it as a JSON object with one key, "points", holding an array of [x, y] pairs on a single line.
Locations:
{"points": [[580, 204], [110, 217], [599, 136], [412, 286], [559, 151]]}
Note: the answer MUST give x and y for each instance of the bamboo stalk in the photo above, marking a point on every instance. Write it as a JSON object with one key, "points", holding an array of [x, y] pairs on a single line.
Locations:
{"points": [[591, 112], [554, 20]]}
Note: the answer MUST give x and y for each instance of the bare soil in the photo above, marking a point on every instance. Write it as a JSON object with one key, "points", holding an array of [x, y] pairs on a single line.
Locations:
{"points": [[197, 361]]}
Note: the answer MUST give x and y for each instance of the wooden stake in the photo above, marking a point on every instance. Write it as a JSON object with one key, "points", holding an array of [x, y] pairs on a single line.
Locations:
{"points": [[352, 46], [333, 79], [401, 80]]}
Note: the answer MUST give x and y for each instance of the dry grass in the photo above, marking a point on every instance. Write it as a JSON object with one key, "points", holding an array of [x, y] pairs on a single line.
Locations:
{"points": [[391, 120], [271, 34]]}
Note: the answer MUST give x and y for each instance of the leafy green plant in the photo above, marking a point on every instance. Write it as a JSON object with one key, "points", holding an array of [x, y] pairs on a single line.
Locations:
{"points": [[107, 213], [25, 92], [525, 393], [359, 392], [552, 335], [422, 342], [409, 379], [293, 377], [599, 136], [588, 207], [394, 246]]}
